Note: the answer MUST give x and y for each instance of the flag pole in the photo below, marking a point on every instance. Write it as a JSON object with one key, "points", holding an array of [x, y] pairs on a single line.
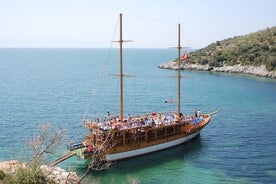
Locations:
{"points": [[179, 76]]}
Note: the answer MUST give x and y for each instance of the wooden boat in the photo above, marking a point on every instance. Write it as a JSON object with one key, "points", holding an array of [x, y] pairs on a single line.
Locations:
{"points": [[120, 138]]}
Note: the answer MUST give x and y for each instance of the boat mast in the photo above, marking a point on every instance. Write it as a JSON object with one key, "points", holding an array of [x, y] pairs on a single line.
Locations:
{"points": [[178, 76], [121, 71], [121, 75]]}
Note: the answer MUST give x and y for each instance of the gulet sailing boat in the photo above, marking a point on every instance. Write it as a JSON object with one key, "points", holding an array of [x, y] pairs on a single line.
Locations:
{"points": [[121, 138]]}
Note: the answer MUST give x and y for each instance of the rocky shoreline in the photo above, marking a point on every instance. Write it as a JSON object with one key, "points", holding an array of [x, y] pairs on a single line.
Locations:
{"points": [[248, 69], [58, 174]]}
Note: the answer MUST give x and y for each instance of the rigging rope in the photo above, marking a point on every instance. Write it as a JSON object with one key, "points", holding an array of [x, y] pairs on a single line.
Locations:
{"points": [[76, 135], [151, 19], [102, 74]]}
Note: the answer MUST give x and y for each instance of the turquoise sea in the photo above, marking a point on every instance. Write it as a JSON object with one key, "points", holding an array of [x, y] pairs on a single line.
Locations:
{"points": [[63, 86]]}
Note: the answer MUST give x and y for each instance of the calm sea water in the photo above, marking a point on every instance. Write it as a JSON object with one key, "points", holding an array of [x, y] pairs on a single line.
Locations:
{"points": [[62, 86]]}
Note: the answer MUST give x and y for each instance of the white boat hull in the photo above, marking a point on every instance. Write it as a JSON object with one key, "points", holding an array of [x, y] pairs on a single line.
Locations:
{"points": [[146, 150]]}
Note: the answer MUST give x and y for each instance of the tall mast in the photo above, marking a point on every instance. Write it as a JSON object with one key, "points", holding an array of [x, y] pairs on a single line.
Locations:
{"points": [[121, 71], [121, 74], [178, 76]]}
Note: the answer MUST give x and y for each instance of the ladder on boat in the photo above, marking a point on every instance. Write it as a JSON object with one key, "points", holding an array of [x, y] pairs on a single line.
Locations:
{"points": [[61, 159]]}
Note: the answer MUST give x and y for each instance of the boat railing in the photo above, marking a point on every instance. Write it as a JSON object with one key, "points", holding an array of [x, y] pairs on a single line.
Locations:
{"points": [[153, 121], [90, 124]]}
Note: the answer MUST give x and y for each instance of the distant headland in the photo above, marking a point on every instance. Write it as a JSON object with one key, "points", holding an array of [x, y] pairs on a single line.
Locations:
{"points": [[254, 54]]}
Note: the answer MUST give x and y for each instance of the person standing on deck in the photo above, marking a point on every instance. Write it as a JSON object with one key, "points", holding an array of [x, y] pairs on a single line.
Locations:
{"points": [[108, 116]]}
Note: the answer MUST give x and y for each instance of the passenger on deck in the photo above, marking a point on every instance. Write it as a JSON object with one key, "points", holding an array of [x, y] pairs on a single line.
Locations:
{"points": [[198, 113], [180, 117], [128, 118], [153, 123], [108, 116]]}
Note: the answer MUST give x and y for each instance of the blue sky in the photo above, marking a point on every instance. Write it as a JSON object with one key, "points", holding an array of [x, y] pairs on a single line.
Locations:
{"points": [[150, 24]]}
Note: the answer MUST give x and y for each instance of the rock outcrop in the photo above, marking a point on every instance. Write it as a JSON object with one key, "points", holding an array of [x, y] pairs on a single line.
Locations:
{"points": [[11, 166], [59, 175], [247, 69]]}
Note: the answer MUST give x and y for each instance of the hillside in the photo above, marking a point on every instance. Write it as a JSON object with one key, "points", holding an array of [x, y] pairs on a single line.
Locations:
{"points": [[255, 50]]}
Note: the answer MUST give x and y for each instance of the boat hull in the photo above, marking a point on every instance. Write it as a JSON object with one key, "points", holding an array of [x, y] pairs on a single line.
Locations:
{"points": [[150, 149]]}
